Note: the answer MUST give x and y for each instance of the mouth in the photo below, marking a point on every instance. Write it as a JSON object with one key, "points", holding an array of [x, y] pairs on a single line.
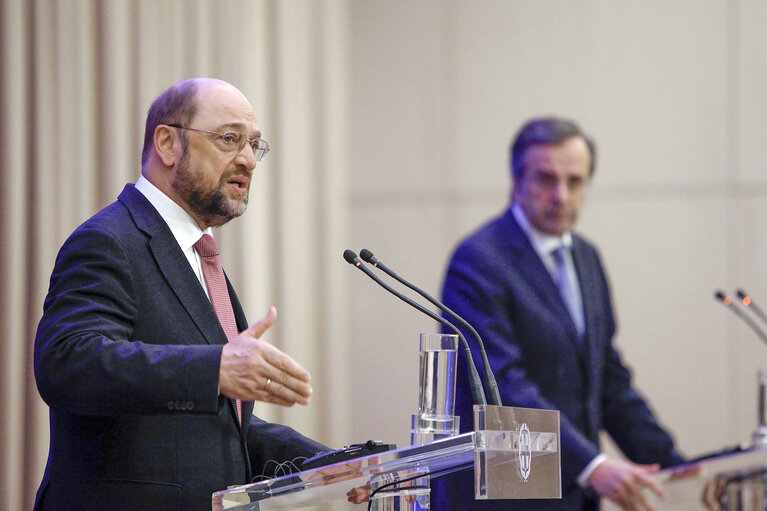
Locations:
{"points": [[240, 184]]}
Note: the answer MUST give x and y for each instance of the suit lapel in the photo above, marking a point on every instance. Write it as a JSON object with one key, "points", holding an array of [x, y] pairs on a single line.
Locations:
{"points": [[173, 265], [591, 296], [532, 270]]}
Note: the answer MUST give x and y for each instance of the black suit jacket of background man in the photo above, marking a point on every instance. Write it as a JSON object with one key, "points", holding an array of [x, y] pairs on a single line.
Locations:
{"points": [[498, 283]]}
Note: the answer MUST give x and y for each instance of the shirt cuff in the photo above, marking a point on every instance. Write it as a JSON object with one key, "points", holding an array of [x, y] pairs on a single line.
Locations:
{"points": [[590, 468]]}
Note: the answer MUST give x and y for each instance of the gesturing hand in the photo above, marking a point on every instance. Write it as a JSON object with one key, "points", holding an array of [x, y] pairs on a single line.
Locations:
{"points": [[623, 482], [252, 369]]}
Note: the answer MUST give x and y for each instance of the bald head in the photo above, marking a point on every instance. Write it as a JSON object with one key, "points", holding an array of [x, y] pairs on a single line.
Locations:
{"points": [[179, 104]]}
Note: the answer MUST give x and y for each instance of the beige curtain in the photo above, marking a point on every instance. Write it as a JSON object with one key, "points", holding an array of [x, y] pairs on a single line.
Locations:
{"points": [[77, 79]]}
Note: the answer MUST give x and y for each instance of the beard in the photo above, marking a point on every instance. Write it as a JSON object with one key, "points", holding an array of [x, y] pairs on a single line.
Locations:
{"points": [[211, 204]]}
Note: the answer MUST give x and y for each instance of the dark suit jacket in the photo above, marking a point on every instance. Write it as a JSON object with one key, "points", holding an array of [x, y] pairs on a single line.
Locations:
{"points": [[127, 357], [497, 282]]}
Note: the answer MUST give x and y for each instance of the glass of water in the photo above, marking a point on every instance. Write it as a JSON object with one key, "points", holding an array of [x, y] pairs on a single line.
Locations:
{"points": [[436, 375]]}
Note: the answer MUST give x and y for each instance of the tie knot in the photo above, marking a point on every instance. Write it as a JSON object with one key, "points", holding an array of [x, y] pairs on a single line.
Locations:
{"points": [[559, 252], [206, 246]]}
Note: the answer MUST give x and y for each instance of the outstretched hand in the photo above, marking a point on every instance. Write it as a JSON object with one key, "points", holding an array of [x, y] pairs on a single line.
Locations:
{"points": [[252, 369], [623, 482]]}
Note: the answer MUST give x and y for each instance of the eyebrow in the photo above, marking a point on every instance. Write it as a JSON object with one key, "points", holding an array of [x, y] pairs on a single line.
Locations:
{"points": [[238, 126]]}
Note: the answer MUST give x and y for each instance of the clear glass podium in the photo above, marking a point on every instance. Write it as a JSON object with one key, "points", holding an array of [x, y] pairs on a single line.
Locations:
{"points": [[514, 453]]}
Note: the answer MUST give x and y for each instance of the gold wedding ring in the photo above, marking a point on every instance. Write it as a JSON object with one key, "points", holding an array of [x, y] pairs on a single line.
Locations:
{"points": [[268, 382]]}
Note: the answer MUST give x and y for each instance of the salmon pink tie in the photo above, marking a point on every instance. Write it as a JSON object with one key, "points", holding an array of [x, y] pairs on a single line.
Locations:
{"points": [[213, 271]]}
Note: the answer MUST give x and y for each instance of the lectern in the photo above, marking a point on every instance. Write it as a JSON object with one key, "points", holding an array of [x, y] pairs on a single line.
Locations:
{"points": [[514, 453]]}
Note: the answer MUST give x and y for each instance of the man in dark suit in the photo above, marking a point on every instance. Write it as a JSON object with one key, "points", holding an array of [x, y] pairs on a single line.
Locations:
{"points": [[144, 385], [538, 295]]}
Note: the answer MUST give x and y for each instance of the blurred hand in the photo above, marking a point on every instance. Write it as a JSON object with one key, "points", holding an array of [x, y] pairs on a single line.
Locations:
{"points": [[334, 474], [252, 369], [623, 481], [359, 495], [713, 493]]}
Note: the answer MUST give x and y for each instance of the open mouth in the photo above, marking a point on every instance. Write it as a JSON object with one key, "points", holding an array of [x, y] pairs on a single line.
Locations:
{"points": [[240, 183]]}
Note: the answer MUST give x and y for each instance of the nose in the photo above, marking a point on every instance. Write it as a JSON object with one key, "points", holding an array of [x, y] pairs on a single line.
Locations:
{"points": [[561, 190], [247, 157]]}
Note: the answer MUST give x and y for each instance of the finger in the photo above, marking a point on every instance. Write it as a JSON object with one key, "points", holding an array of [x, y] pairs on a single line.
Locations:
{"points": [[285, 367], [640, 499], [258, 328], [649, 469], [359, 495], [624, 496], [651, 483], [275, 400], [288, 394], [635, 488], [621, 498]]}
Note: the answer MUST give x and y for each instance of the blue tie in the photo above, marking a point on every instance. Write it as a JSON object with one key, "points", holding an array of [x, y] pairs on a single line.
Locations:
{"points": [[568, 289]]}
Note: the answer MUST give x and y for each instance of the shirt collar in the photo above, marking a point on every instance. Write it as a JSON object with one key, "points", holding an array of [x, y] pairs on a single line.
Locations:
{"points": [[544, 244], [181, 224]]}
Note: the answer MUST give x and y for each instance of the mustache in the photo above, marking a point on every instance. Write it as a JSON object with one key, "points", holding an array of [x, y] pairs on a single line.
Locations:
{"points": [[237, 172]]}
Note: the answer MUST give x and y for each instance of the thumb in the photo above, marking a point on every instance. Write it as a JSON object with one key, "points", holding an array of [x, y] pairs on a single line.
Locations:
{"points": [[649, 469], [258, 328]]}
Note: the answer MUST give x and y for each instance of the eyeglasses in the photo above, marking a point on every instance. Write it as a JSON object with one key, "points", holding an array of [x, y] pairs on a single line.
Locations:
{"points": [[234, 141]]}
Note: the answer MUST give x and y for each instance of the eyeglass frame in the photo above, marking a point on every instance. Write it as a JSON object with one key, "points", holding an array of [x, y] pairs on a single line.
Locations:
{"points": [[248, 140]]}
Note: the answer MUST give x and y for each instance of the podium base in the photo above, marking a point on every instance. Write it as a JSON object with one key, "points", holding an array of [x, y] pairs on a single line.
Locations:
{"points": [[425, 429]]}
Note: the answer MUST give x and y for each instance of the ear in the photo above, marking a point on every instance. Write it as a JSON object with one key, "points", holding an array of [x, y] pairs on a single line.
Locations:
{"points": [[167, 145], [516, 183]]}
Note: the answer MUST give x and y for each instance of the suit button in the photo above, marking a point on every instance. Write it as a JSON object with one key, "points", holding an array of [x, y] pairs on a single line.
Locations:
{"points": [[190, 405], [171, 406]]}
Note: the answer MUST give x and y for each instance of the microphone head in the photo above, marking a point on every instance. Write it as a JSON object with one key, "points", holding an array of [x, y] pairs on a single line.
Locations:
{"points": [[350, 256], [368, 256], [741, 294], [723, 298]]}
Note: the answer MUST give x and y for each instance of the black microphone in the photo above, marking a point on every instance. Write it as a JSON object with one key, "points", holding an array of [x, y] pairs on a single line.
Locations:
{"points": [[727, 301], [476, 384], [748, 303], [492, 385]]}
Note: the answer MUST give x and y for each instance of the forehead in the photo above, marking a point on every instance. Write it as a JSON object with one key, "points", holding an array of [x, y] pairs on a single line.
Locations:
{"points": [[222, 105], [569, 156]]}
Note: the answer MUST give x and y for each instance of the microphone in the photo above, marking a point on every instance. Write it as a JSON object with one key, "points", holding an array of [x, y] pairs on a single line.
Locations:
{"points": [[492, 385], [476, 384], [748, 303], [727, 301]]}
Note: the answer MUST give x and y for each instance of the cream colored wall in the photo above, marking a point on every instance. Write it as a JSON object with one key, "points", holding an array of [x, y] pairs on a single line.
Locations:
{"points": [[390, 123], [673, 94]]}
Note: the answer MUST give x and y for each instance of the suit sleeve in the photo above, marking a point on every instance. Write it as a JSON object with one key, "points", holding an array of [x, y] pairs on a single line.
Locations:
{"points": [[626, 415], [277, 450], [87, 359], [480, 288], [630, 422]]}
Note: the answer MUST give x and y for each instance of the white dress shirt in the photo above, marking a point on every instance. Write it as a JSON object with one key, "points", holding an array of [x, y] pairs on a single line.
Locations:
{"points": [[184, 228]]}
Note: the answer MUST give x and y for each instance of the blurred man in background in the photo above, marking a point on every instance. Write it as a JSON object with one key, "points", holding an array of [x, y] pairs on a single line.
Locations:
{"points": [[539, 297]]}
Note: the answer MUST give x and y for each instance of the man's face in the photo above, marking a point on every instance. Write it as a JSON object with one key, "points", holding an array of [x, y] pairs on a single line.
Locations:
{"points": [[552, 188], [214, 183]]}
